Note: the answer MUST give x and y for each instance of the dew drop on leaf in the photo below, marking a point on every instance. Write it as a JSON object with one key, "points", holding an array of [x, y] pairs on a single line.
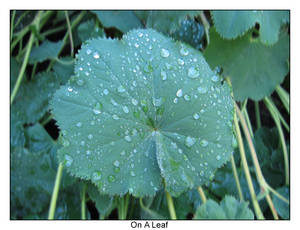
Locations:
{"points": [[163, 75], [134, 101], [189, 141], [97, 108], [215, 78], [202, 90], [96, 55], [132, 173], [105, 91], [115, 117], [111, 178], [80, 82], [127, 138], [193, 72], [96, 175], [204, 143], [121, 89], [187, 97], [218, 157], [88, 51], [196, 116], [68, 160], [179, 93], [116, 163], [184, 51], [90, 136], [164, 53], [79, 124], [180, 61], [125, 109]]}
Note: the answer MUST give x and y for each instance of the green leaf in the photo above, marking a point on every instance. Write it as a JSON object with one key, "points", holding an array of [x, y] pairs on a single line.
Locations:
{"points": [[190, 32], [254, 69], [103, 202], [165, 21], [33, 95], [231, 23], [140, 110], [47, 50], [282, 207], [89, 30], [64, 69], [229, 208], [122, 20], [17, 137], [31, 181]]}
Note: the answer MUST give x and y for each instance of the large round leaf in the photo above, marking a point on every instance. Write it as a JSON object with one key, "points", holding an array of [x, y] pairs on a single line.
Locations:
{"points": [[143, 109]]}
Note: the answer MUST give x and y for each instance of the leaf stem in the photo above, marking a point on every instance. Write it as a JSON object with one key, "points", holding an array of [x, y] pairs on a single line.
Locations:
{"points": [[55, 192], [171, 206], [255, 203], [12, 24], [83, 205], [236, 178], [284, 97], [257, 114], [271, 205], [70, 33], [206, 25], [282, 140], [22, 70], [202, 194]]}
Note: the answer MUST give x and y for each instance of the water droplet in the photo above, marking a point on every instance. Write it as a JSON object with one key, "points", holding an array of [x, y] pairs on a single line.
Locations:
{"points": [[196, 116], [132, 173], [163, 75], [70, 89], [134, 101], [65, 142], [140, 34], [96, 55], [175, 100], [136, 45], [111, 178], [193, 72], [218, 157], [202, 90], [125, 109], [179, 93], [88, 152], [127, 138], [203, 143], [180, 61], [189, 141], [164, 53], [79, 124], [80, 82], [184, 51], [90, 136], [97, 108], [115, 117], [187, 97], [105, 91], [215, 78], [116, 163], [68, 160], [88, 51], [96, 175], [148, 68], [121, 89], [122, 153], [157, 101]]}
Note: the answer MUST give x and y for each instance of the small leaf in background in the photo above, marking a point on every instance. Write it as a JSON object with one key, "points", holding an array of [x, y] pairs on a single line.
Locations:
{"points": [[190, 32], [47, 50], [64, 69], [122, 20], [88, 30], [167, 21], [282, 208], [254, 69], [141, 110], [229, 209], [103, 202], [231, 24], [33, 95], [23, 18]]}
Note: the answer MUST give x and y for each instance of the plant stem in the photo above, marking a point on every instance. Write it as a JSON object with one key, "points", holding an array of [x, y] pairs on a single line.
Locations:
{"points": [[255, 203], [206, 26], [83, 206], [271, 205], [236, 178], [70, 33], [171, 206], [245, 112], [22, 70], [257, 115], [12, 24], [54, 30], [202, 194], [284, 97], [73, 24], [55, 192], [282, 140]]}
